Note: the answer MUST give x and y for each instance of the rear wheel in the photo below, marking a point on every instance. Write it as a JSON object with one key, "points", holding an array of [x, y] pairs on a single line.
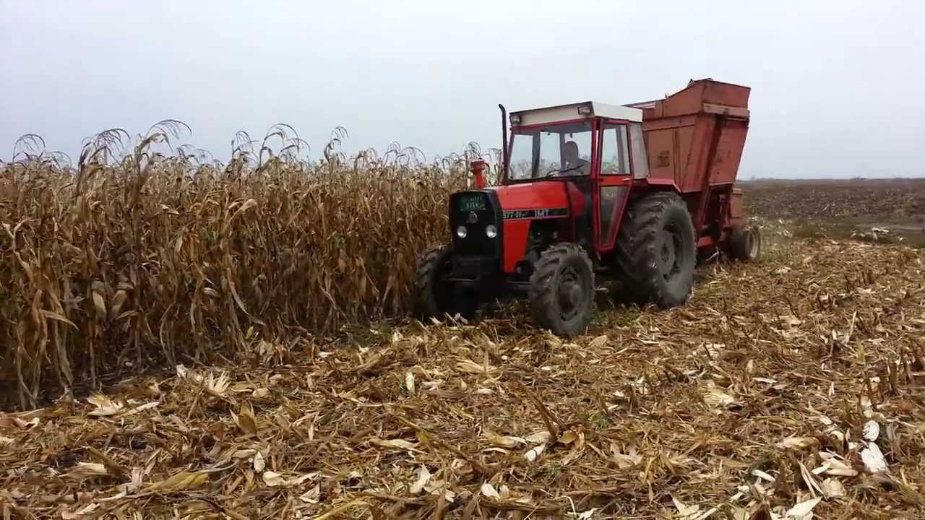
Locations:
{"points": [[562, 289], [744, 243], [433, 294], [656, 252]]}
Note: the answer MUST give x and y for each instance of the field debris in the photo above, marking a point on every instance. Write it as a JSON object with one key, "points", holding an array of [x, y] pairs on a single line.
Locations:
{"points": [[775, 393]]}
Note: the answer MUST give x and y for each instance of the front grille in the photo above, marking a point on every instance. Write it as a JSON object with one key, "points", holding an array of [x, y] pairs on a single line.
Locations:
{"points": [[476, 210], [472, 267]]}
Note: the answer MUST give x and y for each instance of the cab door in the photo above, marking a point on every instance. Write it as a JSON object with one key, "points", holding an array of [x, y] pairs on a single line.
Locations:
{"points": [[615, 175]]}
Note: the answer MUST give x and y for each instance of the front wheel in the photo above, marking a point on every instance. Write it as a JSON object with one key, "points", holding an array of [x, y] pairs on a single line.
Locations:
{"points": [[562, 289], [433, 294]]}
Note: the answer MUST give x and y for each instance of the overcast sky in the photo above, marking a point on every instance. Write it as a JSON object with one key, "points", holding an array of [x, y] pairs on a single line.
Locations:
{"points": [[838, 87]]}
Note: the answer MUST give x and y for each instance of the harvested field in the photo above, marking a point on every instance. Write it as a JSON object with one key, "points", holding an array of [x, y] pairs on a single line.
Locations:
{"points": [[753, 401], [890, 211], [856, 200]]}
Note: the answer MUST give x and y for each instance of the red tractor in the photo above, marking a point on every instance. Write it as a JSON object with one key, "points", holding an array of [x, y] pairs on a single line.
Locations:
{"points": [[639, 192]]}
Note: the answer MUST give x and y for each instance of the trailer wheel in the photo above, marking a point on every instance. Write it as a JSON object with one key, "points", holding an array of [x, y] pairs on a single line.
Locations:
{"points": [[432, 294], [562, 289], [656, 252], [745, 243]]}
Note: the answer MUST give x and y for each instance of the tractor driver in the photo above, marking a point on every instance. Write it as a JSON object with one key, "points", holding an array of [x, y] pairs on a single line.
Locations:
{"points": [[574, 164]]}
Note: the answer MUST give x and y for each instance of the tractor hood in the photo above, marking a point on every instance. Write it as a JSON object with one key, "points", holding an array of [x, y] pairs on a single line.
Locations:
{"points": [[523, 204], [540, 200]]}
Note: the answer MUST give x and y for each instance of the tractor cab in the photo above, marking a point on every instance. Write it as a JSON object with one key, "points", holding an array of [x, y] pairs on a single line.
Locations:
{"points": [[542, 140], [593, 147], [636, 192]]}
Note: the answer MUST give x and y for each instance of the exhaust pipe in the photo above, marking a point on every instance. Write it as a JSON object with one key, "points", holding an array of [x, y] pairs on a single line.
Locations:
{"points": [[504, 157]]}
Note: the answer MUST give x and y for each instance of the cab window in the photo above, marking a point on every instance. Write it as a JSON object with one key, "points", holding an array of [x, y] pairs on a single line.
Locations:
{"points": [[551, 152], [615, 158]]}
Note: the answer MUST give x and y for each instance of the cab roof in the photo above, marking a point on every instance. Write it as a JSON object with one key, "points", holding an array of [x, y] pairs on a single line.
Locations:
{"points": [[573, 111]]}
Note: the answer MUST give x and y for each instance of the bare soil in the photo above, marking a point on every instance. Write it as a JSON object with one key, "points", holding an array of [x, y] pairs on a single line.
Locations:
{"points": [[874, 210]]}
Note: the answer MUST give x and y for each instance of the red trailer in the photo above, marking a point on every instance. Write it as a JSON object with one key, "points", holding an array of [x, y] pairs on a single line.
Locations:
{"points": [[694, 141], [632, 191]]}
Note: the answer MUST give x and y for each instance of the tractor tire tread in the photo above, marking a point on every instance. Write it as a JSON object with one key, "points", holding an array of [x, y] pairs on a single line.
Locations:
{"points": [[737, 246], [541, 292], [423, 301], [635, 252]]}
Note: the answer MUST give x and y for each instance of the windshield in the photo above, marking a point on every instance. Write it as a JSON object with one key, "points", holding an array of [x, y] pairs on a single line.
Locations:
{"points": [[550, 152]]}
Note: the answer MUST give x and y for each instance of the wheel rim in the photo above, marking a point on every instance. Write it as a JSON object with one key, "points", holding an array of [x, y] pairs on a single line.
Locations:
{"points": [[570, 293], [752, 243], [670, 260]]}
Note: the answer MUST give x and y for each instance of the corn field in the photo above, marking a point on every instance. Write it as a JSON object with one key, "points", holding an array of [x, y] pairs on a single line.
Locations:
{"points": [[147, 254]]}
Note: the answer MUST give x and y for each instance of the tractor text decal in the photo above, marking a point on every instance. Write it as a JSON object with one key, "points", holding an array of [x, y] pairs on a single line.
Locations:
{"points": [[517, 214]]}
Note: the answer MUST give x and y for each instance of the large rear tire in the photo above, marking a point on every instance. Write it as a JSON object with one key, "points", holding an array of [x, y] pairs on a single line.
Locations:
{"points": [[656, 251], [433, 294], [744, 243], [561, 290]]}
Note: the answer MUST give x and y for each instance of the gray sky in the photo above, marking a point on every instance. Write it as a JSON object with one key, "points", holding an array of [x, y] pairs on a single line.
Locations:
{"points": [[838, 87]]}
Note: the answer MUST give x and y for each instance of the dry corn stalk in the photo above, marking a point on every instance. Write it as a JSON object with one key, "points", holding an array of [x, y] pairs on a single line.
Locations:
{"points": [[145, 257]]}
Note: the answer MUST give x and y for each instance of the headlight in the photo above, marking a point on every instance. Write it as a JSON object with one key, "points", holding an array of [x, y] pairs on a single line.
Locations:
{"points": [[491, 231], [461, 231]]}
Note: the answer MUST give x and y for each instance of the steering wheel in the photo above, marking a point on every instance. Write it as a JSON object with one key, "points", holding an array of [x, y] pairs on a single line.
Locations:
{"points": [[552, 173]]}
